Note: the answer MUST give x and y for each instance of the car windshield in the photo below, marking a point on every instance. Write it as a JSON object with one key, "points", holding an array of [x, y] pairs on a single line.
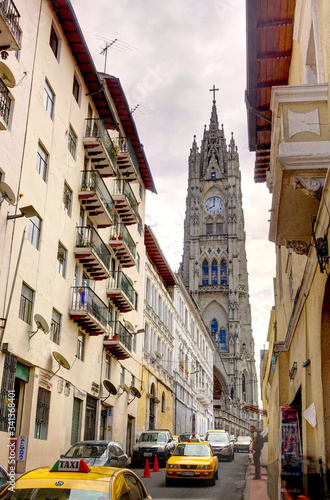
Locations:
{"points": [[217, 437], [243, 439], [192, 450], [184, 437], [156, 437], [87, 450], [54, 494]]}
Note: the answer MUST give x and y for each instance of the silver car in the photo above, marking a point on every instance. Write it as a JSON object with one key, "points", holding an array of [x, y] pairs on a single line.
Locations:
{"points": [[108, 453], [221, 444]]}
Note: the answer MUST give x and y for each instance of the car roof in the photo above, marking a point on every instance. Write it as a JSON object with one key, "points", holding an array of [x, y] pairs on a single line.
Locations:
{"points": [[216, 430], [96, 472], [96, 442]]}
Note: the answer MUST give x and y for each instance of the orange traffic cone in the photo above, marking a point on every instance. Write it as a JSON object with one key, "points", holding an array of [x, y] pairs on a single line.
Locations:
{"points": [[146, 469], [156, 468]]}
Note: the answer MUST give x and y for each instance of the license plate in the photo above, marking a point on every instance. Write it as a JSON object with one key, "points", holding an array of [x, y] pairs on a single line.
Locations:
{"points": [[148, 454], [188, 473]]}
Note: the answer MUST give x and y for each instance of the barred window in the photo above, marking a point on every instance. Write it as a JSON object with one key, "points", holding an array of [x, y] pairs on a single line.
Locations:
{"points": [[61, 260], [42, 162], [76, 89], [7, 385], [54, 42], [67, 199], [55, 332], [72, 142], [81, 346], [42, 414], [209, 228], [34, 230], [107, 366], [26, 304], [49, 99]]}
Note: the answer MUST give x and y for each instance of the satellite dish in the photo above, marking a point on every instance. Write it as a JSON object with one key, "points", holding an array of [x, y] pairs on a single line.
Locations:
{"points": [[41, 325], [6, 193], [124, 387], [157, 401], [149, 396], [109, 387], [158, 355], [135, 393], [6, 75], [62, 362]]}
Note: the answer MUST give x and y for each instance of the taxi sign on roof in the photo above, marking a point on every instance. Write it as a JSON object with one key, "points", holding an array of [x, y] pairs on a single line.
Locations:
{"points": [[70, 465]]}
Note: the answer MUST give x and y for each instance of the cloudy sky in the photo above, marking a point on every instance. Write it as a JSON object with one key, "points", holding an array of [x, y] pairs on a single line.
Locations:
{"points": [[168, 55]]}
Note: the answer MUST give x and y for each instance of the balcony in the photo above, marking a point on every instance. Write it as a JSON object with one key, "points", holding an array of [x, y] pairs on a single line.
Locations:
{"points": [[121, 292], [92, 253], [126, 158], [5, 103], [300, 156], [96, 199], [126, 204], [123, 244], [100, 148], [10, 31], [88, 311], [120, 345]]}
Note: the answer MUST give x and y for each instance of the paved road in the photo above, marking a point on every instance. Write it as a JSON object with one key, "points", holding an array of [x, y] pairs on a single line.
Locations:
{"points": [[230, 485]]}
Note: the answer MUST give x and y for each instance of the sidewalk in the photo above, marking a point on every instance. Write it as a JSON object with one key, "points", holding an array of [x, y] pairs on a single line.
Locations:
{"points": [[256, 489]]}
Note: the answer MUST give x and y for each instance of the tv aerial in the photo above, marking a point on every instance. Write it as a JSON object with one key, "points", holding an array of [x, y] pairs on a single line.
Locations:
{"points": [[6, 75], [62, 362], [135, 393], [6, 193], [110, 388], [41, 325]]}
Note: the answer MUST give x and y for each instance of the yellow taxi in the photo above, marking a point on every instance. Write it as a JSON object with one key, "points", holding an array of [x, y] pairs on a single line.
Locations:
{"points": [[71, 479], [192, 460]]}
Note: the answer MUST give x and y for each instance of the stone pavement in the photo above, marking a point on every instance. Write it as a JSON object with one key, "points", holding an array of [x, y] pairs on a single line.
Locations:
{"points": [[256, 489]]}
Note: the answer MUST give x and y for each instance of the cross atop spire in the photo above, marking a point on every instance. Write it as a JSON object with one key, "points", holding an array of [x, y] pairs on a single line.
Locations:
{"points": [[214, 90]]}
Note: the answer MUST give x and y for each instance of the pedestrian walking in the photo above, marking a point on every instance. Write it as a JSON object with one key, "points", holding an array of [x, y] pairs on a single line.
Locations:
{"points": [[257, 445]]}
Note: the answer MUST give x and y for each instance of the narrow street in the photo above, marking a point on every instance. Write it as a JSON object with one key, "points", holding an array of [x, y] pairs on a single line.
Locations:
{"points": [[230, 485]]}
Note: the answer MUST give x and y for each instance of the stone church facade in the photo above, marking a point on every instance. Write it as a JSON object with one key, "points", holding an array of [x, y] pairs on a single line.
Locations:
{"points": [[214, 270]]}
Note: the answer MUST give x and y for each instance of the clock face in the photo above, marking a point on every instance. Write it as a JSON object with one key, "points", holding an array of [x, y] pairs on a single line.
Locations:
{"points": [[214, 205]]}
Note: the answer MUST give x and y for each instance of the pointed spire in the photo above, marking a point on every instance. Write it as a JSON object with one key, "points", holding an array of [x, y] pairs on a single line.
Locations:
{"points": [[194, 146], [232, 146], [214, 116]]}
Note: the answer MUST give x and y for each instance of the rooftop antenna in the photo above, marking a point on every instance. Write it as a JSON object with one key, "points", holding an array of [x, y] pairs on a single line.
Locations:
{"points": [[117, 45]]}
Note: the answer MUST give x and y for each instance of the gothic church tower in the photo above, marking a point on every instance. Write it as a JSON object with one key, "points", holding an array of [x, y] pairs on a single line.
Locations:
{"points": [[214, 266]]}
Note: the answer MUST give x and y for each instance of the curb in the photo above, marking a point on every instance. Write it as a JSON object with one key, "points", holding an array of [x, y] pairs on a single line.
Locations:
{"points": [[246, 493]]}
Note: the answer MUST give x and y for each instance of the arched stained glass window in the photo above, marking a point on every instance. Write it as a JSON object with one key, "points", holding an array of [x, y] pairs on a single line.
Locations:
{"points": [[205, 273], [243, 387], [214, 328], [214, 272], [222, 340], [223, 272]]}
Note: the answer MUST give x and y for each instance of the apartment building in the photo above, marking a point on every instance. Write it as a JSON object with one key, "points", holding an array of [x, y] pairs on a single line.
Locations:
{"points": [[70, 349]]}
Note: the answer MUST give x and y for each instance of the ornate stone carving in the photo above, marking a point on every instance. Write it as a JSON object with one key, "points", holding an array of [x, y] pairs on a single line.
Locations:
{"points": [[299, 247], [310, 187], [304, 122]]}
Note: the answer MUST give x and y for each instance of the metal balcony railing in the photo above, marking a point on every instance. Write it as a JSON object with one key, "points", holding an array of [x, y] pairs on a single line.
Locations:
{"points": [[120, 281], [5, 102], [88, 237], [84, 298], [122, 334], [120, 231], [92, 181], [124, 145], [95, 128], [11, 15], [124, 188]]}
